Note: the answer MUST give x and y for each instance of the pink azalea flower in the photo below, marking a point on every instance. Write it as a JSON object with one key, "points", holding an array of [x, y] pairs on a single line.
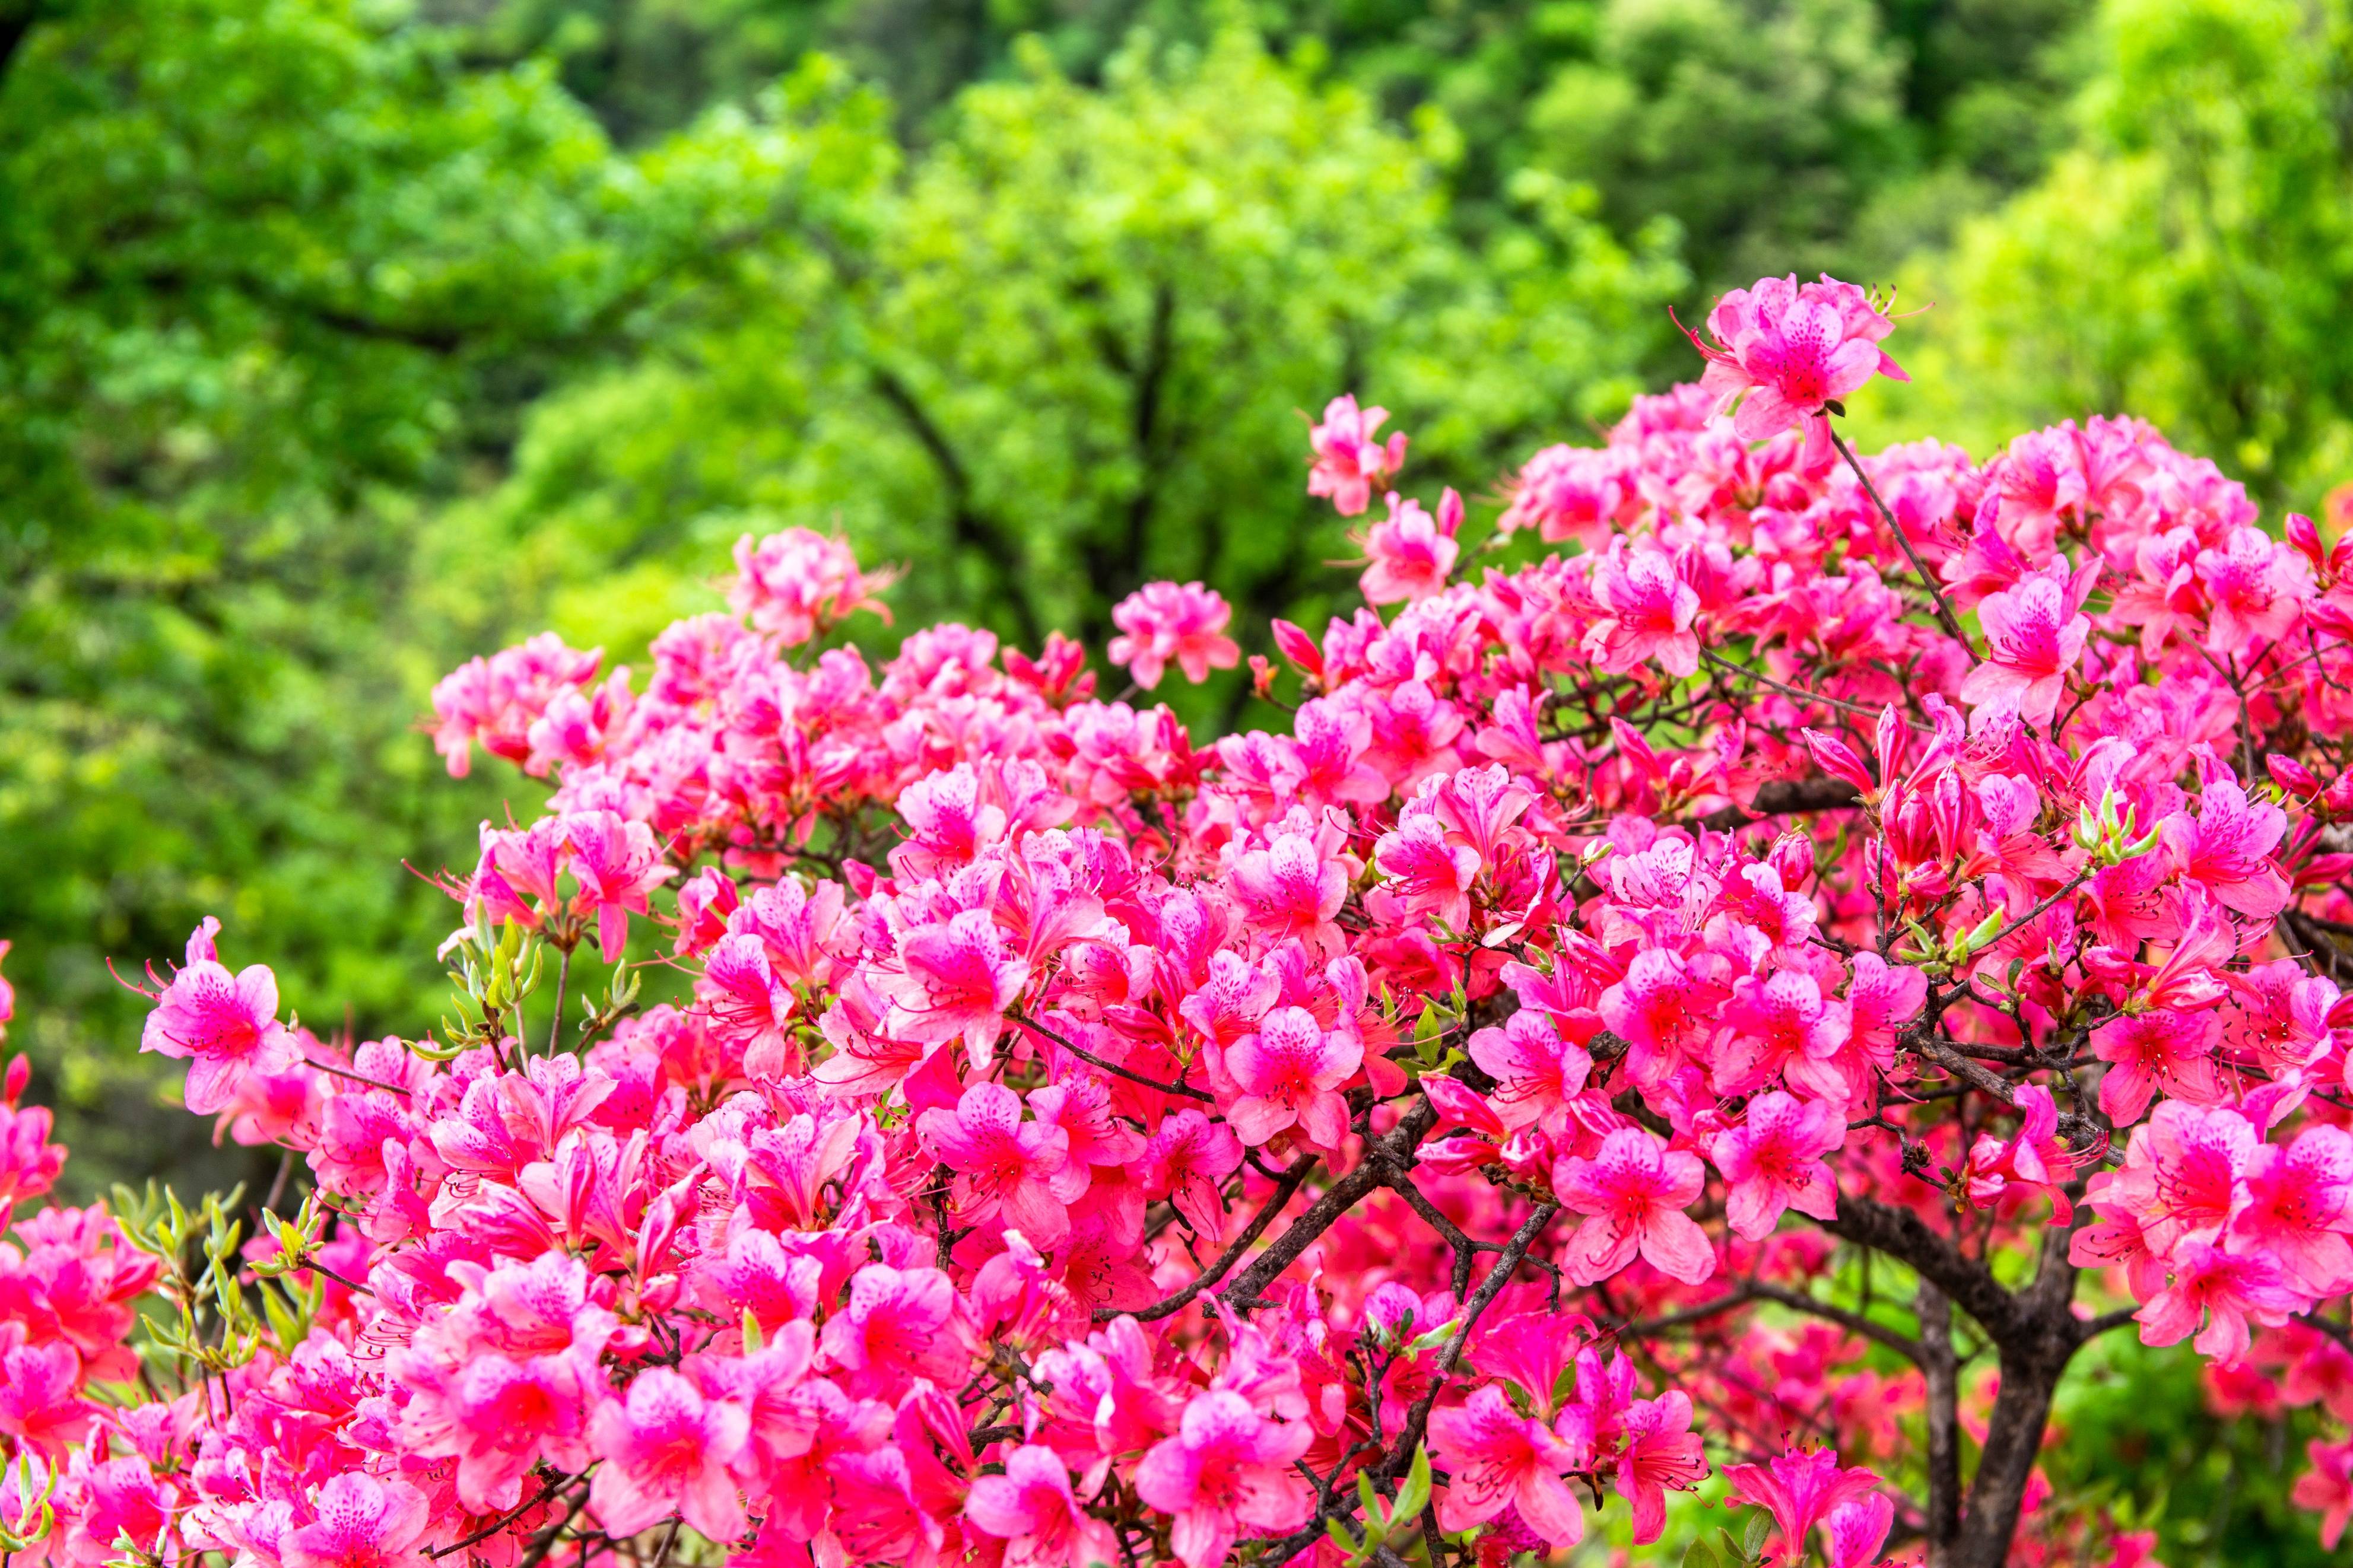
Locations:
{"points": [[2257, 587], [1290, 1072], [1781, 1026], [1501, 1460], [41, 1406], [1226, 1470], [2158, 1050], [1798, 1489], [1536, 1071], [2221, 1290], [1187, 1161], [2297, 1208], [225, 1024], [1413, 553], [1349, 461], [1031, 1508], [363, 1523], [1426, 871], [1661, 1453], [1291, 889], [2227, 850], [1856, 1530], [2326, 1488], [1791, 349], [2034, 634], [1004, 1164], [666, 1450], [1648, 612], [797, 584], [1773, 1162], [958, 981], [1167, 623], [1634, 1192]]}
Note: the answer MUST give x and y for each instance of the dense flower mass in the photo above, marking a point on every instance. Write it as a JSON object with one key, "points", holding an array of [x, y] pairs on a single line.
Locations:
{"points": [[1453, 1119]]}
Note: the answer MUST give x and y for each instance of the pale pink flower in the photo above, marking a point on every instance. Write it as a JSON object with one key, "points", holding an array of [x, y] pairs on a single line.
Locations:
{"points": [[1349, 460], [1792, 349], [1032, 1509], [363, 1523], [1169, 623], [1291, 889], [1634, 1192], [1773, 1162], [1227, 1470], [1290, 1072], [1500, 1459], [666, 1450]]}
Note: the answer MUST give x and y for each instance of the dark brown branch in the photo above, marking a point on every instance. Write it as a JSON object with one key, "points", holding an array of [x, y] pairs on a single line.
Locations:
{"points": [[1113, 1068], [1392, 1151], [1780, 798], [1284, 1191]]}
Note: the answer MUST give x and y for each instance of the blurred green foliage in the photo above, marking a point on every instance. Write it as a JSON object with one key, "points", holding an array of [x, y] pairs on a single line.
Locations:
{"points": [[342, 339]]}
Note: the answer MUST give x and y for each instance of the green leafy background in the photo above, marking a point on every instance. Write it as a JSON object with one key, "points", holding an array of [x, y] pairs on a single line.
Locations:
{"points": [[341, 340]]}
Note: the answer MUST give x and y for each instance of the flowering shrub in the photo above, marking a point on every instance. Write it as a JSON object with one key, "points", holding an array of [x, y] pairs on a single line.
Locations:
{"points": [[1636, 1016]]}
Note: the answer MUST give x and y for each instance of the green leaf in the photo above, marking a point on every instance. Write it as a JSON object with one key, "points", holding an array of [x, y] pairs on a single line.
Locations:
{"points": [[1760, 1524], [1700, 1554], [1414, 1495]]}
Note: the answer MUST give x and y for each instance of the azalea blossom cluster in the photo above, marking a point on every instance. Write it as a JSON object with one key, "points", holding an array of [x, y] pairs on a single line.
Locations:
{"points": [[1599, 1038]]}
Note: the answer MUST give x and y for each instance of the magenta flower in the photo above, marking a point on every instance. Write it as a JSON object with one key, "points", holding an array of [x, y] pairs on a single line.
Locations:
{"points": [[1426, 871], [2299, 1205], [1501, 1460], [2034, 632], [2228, 849], [1004, 1164], [1226, 1470], [2156, 1050], [1169, 623], [1798, 1489], [1031, 1508], [1773, 1161], [225, 1026], [1785, 349], [1661, 1453], [1634, 1192], [1290, 1073], [1647, 612], [2326, 1488], [363, 1523], [797, 584], [957, 981], [1536, 1071], [1413, 553], [1349, 461], [2223, 1291], [666, 1450], [1187, 1161]]}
